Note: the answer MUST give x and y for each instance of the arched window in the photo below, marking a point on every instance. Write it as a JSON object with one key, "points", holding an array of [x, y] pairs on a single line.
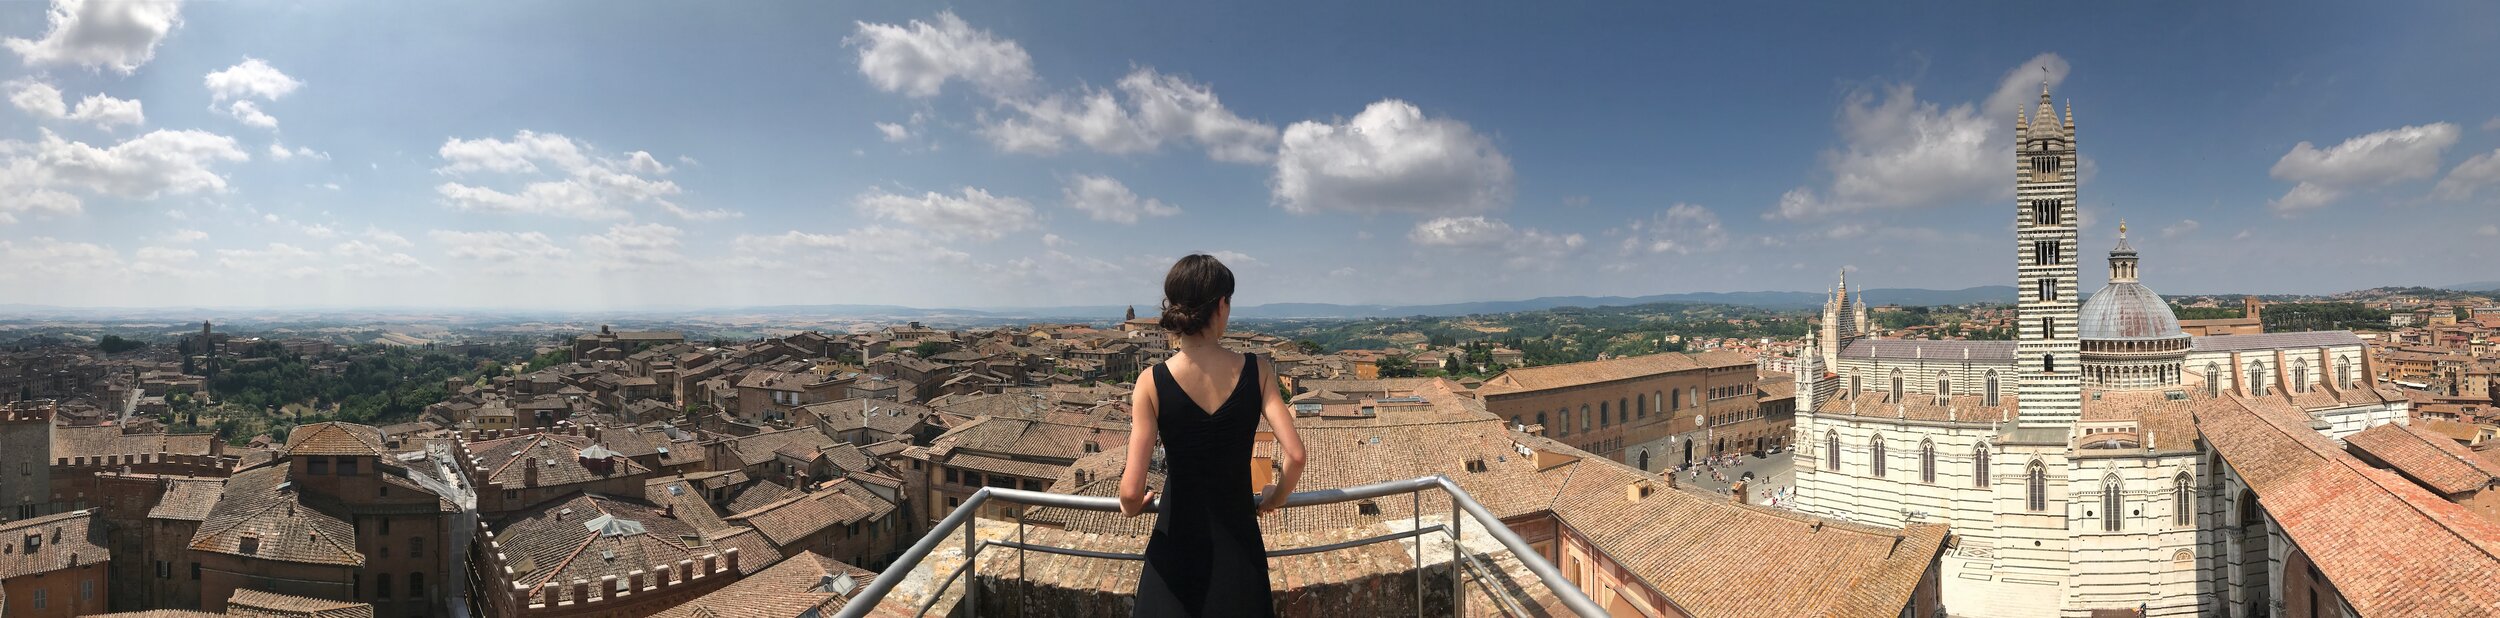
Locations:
{"points": [[2048, 363], [1979, 467], [1875, 454], [1896, 386], [2300, 375], [2036, 486], [1854, 386], [1927, 461], [1944, 387], [2257, 378], [2113, 500], [2048, 292], [1677, 402], [1831, 451], [1540, 418], [1605, 414], [1992, 388], [1514, 420], [2213, 379], [1623, 410], [1641, 407], [1584, 417], [1564, 427], [2182, 512]]}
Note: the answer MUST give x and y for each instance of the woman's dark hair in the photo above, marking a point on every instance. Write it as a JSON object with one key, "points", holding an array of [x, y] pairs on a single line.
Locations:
{"points": [[1191, 292]]}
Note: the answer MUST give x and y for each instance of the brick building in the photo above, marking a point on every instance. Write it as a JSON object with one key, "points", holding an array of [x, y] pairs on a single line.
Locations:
{"points": [[54, 566], [517, 472], [335, 517], [1603, 406]]}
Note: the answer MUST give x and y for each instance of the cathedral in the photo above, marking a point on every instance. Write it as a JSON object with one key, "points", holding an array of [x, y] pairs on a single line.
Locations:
{"points": [[2105, 463]]}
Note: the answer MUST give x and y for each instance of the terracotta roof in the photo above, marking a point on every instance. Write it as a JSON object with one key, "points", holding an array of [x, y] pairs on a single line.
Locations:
{"points": [[2268, 341], [66, 540], [792, 588], [880, 415], [334, 438], [1962, 408], [107, 440], [688, 501], [2390, 547], [1999, 351], [188, 498], [760, 448], [557, 456], [555, 541], [1592, 372], [2428, 458], [261, 506], [257, 604], [798, 515]]}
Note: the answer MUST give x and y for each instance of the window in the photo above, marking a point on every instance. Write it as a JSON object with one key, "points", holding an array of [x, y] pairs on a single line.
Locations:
{"points": [[317, 465], [1540, 418], [1676, 402], [416, 585], [1584, 417], [1605, 414], [1896, 386], [347, 466], [384, 523], [2343, 372], [951, 476], [972, 478], [2045, 252], [86, 590], [2257, 378], [1927, 462], [249, 545], [951, 502], [1563, 428], [2300, 375], [2048, 328], [416, 547], [195, 571], [2043, 212], [2048, 290], [1623, 410], [1979, 467], [2048, 363], [1944, 388], [2036, 487], [511, 494], [39, 600], [1853, 386], [1831, 451], [1992, 387], [381, 585], [2213, 379], [2182, 512], [2112, 501], [1875, 454], [1367, 508]]}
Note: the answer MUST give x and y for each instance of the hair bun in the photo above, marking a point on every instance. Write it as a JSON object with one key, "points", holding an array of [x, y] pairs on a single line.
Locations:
{"points": [[1192, 293]]}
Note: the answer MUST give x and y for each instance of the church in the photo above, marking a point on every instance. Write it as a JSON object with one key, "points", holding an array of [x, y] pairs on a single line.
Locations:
{"points": [[2107, 463]]}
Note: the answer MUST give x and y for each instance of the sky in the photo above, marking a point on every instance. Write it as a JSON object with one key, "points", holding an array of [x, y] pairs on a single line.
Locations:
{"points": [[574, 155]]}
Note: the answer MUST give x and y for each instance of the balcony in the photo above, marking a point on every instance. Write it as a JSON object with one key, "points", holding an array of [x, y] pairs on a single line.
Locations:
{"points": [[1021, 569]]}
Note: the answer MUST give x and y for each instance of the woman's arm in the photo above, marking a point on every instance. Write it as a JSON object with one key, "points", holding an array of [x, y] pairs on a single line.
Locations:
{"points": [[1288, 443], [1141, 446]]}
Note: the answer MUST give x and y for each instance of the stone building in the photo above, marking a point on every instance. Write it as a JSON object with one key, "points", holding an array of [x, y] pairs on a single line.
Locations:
{"points": [[2130, 467], [26, 447], [518, 472], [336, 517], [596, 555], [1606, 406]]}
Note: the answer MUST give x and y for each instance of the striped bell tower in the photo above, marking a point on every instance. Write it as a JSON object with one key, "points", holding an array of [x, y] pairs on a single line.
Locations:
{"points": [[2047, 351]]}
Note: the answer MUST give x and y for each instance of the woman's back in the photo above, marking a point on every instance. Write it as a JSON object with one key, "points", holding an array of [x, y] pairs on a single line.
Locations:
{"points": [[1206, 556]]}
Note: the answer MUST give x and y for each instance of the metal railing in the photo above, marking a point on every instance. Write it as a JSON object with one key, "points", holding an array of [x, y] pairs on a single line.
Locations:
{"points": [[865, 600]]}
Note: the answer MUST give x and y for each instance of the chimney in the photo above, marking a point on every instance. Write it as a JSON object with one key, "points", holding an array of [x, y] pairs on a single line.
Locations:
{"points": [[529, 472], [590, 431], [1736, 493], [1636, 490]]}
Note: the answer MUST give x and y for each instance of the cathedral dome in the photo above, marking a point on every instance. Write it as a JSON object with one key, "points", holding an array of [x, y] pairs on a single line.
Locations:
{"points": [[2127, 310]]}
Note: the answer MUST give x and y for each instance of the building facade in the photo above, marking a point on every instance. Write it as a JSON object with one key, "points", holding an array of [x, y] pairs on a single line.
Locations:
{"points": [[1620, 407]]}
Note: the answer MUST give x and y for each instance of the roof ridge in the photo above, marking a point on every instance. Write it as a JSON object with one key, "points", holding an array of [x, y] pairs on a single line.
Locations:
{"points": [[2434, 442]]}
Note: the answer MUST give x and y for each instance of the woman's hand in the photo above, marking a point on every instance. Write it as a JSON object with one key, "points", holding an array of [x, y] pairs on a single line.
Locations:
{"points": [[1125, 511], [1270, 499]]}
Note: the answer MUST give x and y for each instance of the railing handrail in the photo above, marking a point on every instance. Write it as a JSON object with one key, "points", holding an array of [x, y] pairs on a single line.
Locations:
{"points": [[866, 599]]}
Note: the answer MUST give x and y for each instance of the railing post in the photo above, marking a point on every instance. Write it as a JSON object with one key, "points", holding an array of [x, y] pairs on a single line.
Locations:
{"points": [[1418, 495], [1458, 532], [1022, 595], [972, 564]]}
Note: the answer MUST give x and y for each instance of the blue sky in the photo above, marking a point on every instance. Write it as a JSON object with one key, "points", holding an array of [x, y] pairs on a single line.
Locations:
{"points": [[578, 155]]}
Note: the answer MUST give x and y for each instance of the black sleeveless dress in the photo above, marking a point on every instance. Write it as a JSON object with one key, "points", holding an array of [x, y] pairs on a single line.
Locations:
{"points": [[1206, 557]]}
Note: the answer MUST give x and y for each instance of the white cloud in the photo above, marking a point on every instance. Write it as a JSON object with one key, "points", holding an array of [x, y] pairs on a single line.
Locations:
{"points": [[2488, 230], [2325, 174], [1390, 158], [386, 237], [973, 214], [1149, 109], [1902, 152], [44, 257], [276, 259], [1519, 249], [1682, 229], [278, 151], [2493, 124], [918, 58], [36, 177], [100, 33], [249, 114], [2479, 171], [251, 79], [875, 243], [2183, 227], [42, 100], [626, 246], [1105, 199], [185, 236], [583, 184], [894, 132], [498, 247]]}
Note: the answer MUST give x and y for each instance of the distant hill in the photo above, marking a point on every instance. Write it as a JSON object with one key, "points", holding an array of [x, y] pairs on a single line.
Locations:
{"points": [[2478, 286]]}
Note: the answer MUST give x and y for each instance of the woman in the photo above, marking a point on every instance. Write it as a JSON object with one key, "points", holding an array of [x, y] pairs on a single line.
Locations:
{"points": [[1206, 557]]}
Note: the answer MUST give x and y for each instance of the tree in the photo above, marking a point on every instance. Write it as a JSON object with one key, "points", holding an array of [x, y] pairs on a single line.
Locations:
{"points": [[115, 344], [1396, 367]]}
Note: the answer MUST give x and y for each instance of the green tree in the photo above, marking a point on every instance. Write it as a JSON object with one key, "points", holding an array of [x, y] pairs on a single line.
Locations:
{"points": [[115, 344], [1396, 367]]}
